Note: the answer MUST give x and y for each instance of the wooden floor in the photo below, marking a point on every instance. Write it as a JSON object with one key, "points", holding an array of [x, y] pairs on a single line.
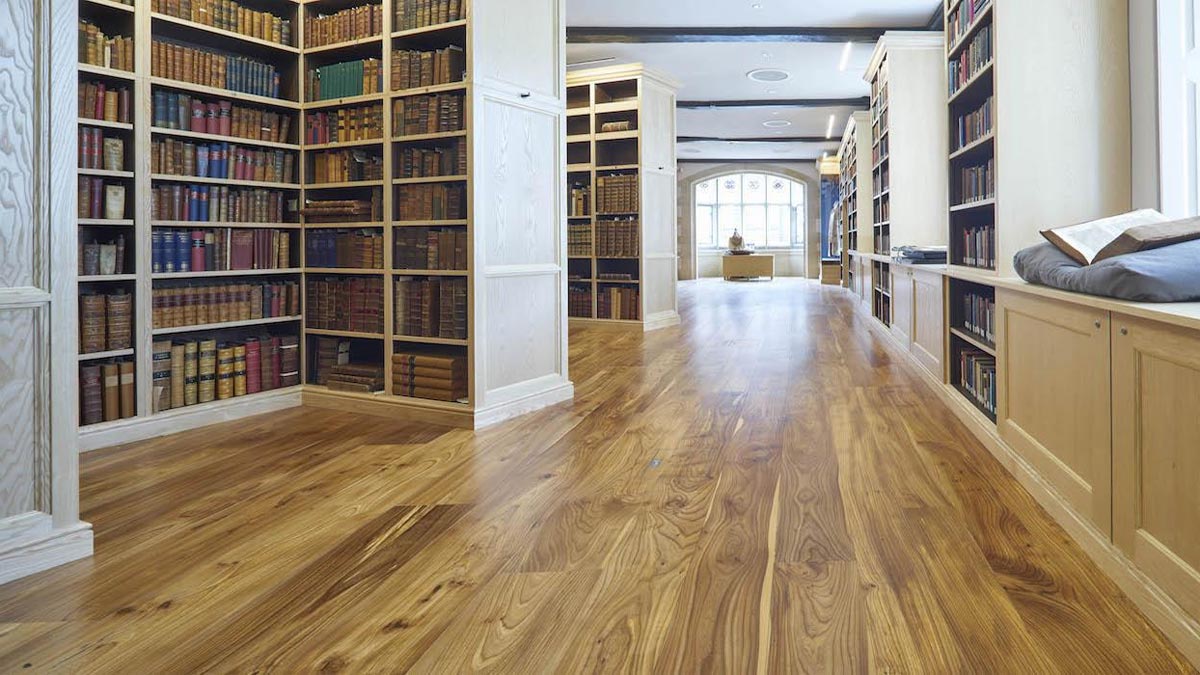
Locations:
{"points": [[764, 489]]}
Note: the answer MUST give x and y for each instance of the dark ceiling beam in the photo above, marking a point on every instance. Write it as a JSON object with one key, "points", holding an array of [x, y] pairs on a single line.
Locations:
{"points": [[752, 160], [863, 102], [763, 139], [582, 35]]}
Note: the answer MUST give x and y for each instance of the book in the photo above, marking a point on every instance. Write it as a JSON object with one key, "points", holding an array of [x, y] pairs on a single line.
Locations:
{"points": [[110, 374], [181, 305], [118, 321], [178, 369], [98, 49], [161, 387], [91, 392], [345, 303], [191, 373], [104, 101], [114, 202], [414, 14], [341, 166], [128, 400], [413, 68], [219, 117], [289, 360], [361, 249], [210, 68], [341, 80], [1143, 230], [354, 23], [617, 194], [231, 16], [328, 211], [220, 249], [358, 123], [428, 114], [206, 383], [219, 203]]}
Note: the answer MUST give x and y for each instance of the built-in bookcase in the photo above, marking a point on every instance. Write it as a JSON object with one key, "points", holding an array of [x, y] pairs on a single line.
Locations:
{"points": [[856, 184], [318, 158], [972, 342], [620, 197]]}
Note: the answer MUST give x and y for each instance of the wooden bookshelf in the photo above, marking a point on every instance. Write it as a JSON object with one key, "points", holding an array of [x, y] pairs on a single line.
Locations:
{"points": [[643, 153], [856, 184]]}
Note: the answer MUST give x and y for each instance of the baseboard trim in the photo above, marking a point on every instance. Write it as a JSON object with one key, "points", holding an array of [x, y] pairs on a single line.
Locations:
{"points": [[1179, 627], [659, 320], [522, 405], [431, 412], [23, 557]]}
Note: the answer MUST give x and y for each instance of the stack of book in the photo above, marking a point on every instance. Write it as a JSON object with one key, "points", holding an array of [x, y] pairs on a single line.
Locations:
{"points": [[977, 183], [330, 352], [98, 199], [189, 372], [354, 23], [413, 14], [360, 377], [345, 303], [214, 69], [615, 302], [344, 210], [413, 68], [974, 126], [201, 304], [97, 151], [339, 80], [101, 101], [342, 166], [432, 376], [579, 300], [343, 125], [450, 160], [431, 202], [618, 239], [219, 204], [221, 160], [978, 246], [430, 307], [979, 316], [425, 248], [361, 249], [580, 204], [428, 114], [579, 240], [107, 391], [219, 250], [173, 110], [105, 322], [617, 193]]}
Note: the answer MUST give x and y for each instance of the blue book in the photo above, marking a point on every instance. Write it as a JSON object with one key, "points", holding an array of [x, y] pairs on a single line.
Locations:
{"points": [[156, 251], [182, 251]]}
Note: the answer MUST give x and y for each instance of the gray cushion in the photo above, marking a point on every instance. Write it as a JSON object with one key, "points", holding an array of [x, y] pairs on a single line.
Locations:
{"points": [[1169, 274]]}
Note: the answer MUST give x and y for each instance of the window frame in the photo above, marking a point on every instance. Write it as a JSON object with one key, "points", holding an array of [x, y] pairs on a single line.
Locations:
{"points": [[797, 205], [1178, 42]]}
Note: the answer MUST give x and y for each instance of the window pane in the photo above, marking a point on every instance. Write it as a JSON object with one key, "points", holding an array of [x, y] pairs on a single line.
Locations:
{"points": [[779, 225], [706, 192], [704, 226], [754, 188], [729, 219], [799, 224], [797, 194], [755, 225], [778, 190], [729, 189]]}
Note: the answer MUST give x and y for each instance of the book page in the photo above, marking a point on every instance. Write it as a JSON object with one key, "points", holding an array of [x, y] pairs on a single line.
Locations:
{"points": [[1086, 240]]}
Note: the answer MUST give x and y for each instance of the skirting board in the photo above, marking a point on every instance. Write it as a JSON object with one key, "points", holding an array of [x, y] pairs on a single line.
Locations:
{"points": [[23, 557], [526, 404], [431, 412], [661, 320], [1179, 627], [141, 428]]}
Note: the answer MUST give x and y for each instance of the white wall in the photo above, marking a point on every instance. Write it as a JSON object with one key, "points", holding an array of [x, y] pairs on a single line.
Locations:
{"points": [[1143, 82], [787, 263]]}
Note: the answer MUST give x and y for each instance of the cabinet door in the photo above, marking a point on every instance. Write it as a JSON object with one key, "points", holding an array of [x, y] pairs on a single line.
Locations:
{"points": [[1156, 453], [1055, 404], [902, 304], [929, 320]]}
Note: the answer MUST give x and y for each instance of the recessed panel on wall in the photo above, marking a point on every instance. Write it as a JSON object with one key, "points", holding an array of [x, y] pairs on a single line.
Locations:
{"points": [[18, 427], [18, 144], [660, 285], [523, 336], [518, 50], [658, 213]]}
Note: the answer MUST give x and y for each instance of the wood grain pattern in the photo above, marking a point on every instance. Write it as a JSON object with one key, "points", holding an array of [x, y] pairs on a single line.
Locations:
{"points": [[720, 497]]}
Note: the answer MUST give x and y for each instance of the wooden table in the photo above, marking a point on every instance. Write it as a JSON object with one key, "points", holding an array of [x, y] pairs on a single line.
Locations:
{"points": [[747, 266]]}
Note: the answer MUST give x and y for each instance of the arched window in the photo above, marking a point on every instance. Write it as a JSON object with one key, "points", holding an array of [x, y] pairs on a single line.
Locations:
{"points": [[768, 210]]}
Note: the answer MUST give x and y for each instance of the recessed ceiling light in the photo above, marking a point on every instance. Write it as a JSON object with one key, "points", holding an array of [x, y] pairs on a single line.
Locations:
{"points": [[768, 75], [776, 124], [781, 151], [845, 57], [829, 129], [772, 91], [766, 55], [690, 151], [757, 5]]}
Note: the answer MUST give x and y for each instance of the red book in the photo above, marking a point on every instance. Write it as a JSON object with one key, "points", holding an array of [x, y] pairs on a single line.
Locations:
{"points": [[211, 125], [225, 119], [276, 380], [99, 112], [97, 195], [198, 251], [253, 364], [198, 116]]}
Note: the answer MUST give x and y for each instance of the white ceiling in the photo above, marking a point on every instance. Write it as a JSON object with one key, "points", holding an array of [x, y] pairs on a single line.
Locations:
{"points": [[783, 152], [731, 13], [748, 122]]}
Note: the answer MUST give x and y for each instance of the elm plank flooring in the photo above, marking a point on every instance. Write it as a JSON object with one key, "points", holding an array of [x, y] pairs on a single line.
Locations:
{"points": [[767, 488]]}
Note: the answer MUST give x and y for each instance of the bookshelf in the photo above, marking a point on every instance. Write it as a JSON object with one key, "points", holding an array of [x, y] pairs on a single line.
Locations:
{"points": [[856, 183], [620, 185]]}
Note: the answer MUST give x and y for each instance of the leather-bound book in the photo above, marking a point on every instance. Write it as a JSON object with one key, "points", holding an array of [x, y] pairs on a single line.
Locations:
{"points": [[253, 366], [128, 397], [91, 404], [92, 323], [120, 321], [225, 372], [239, 370], [191, 373], [289, 360], [178, 357], [207, 386], [111, 374]]}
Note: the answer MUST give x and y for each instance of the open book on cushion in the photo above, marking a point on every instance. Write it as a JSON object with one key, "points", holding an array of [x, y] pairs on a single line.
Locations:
{"points": [[1143, 230]]}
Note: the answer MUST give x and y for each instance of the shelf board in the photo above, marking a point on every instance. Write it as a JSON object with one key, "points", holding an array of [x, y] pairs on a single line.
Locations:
{"points": [[222, 224], [357, 271], [102, 71], [617, 167], [354, 225], [579, 168], [122, 126], [202, 30], [191, 88], [110, 4], [424, 30], [105, 222], [227, 325], [99, 278], [430, 89], [633, 282], [225, 273], [344, 333], [115, 353], [430, 273], [430, 179], [344, 185], [437, 135], [973, 340], [430, 340], [343, 144], [224, 181], [104, 173], [428, 403], [977, 204], [617, 106], [198, 135], [952, 51], [428, 223], [973, 146], [579, 217], [970, 84], [617, 136], [579, 138], [344, 101], [348, 45]]}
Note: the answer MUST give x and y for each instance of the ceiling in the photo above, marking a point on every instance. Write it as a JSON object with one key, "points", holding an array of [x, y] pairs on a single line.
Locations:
{"points": [[717, 71]]}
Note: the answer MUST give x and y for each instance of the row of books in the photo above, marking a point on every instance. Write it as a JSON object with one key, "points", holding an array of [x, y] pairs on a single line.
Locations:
{"points": [[178, 306], [978, 246], [879, 91], [617, 193], [962, 18], [978, 377], [214, 69], [977, 183], [345, 303], [101, 258], [345, 210], [107, 391], [440, 377], [344, 124], [618, 239], [191, 372], [98, 49], [883, 209], [341, 166], [430, 307], [882, 180], [363, 378], [97, 151], [100, 199], [359, 249], [974, 125], [619, 302], [413, 14], [105, 321], [972, 60], [431, 202], [176, 110], [880, 150], [220, 204], [349, 24], [579, 301], [229, 15], [102, 101], [430, 248], [979, 315], [221, 160], [339, 80], [412, 68], [417, 162], [580, 200], [428, 114], [219, 250], [579, 240]]}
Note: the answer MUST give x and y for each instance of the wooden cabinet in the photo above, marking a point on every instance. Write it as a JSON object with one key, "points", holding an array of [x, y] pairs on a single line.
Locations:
{"points": [[902, 304], [1156, 453], [928, 320], [1054, 396]]}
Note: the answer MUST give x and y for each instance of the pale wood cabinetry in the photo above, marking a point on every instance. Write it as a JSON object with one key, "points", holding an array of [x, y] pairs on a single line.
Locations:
{"points": [[902, 304], [1055, 408], [1156, 453], [928, 320]]}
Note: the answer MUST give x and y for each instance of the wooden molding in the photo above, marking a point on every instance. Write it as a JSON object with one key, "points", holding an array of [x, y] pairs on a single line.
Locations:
{"points": [[862, 102], [758, 139], [648, 35]]}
